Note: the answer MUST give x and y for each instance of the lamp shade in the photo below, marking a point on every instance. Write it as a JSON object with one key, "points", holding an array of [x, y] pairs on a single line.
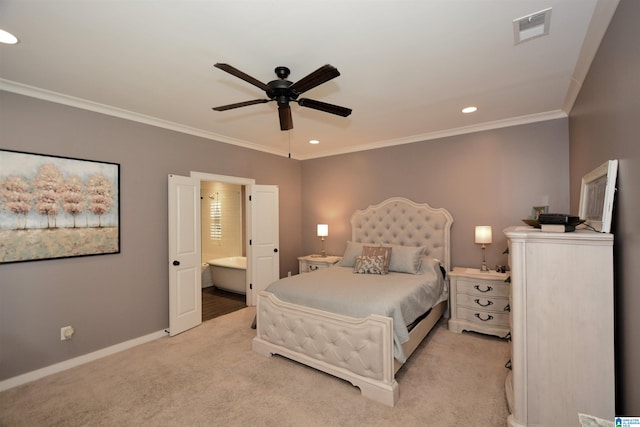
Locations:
{"points": [[323, 230], [483, 234]]}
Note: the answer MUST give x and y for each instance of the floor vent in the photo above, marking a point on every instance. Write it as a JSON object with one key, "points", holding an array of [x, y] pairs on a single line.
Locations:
{"points": [[531, 26]]}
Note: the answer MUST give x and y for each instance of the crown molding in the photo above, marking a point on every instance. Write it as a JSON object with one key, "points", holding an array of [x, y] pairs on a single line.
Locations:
{"points": [[514, 121], [71, 101], [47, 95]]}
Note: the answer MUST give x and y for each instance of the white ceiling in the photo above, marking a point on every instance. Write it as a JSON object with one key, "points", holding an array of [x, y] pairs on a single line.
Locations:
{"points": [[407, 67]]}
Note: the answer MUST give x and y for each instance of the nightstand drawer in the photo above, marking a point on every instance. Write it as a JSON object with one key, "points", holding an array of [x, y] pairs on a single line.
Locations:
{"points": [[308, 267], [483, 302], [310, 263], [479, 301], [486, 288], [484, 317]]}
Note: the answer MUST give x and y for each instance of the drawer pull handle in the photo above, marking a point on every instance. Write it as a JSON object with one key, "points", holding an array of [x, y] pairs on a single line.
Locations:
{"points": [[489, 302], [508, 307], [507, 280], [487, 289], [313, 267], [508, 364], [489, 317]]}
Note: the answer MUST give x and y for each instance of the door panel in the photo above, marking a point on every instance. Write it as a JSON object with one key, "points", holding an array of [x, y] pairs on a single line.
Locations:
{"points": [[265, 256], [185, 297]]}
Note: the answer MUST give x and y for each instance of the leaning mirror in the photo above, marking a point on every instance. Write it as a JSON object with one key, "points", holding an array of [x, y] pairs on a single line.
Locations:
{"points": [[596, 196]]}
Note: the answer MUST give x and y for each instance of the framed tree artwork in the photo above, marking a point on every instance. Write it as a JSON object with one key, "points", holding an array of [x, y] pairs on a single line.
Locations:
{"points": [[57, 207]]}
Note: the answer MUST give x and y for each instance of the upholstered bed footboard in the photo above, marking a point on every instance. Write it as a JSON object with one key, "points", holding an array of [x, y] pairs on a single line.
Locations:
{"points": [[357, 350]]}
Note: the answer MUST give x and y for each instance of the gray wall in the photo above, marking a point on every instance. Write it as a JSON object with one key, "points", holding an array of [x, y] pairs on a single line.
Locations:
{"points": [[605, 124], [114, 298], [485, 178]]}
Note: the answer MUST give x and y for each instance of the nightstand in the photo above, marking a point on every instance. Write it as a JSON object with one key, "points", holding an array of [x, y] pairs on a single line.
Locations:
{"points": [[479, 301], [311, 263]]}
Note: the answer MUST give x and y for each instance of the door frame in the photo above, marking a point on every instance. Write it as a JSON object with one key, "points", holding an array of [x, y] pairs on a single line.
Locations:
{"points": [[247, 182]]}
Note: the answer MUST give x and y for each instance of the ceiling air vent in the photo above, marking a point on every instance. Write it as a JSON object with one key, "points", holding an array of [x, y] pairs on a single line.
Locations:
{"points": [[531, 26]]}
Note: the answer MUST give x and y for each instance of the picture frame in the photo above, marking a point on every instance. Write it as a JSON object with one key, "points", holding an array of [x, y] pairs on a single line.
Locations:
{"points": [[57, 207], [537, 210], [597, 192]]}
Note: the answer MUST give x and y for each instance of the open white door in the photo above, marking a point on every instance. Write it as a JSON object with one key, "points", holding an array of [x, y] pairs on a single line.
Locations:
{"points": [[264, 239], [185, 294]]}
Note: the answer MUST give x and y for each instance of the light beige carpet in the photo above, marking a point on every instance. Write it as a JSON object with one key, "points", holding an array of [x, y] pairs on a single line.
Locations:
{"points": [[209, 376]]}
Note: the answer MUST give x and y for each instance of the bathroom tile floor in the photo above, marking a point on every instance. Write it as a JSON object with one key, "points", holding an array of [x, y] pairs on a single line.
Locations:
{"points": [[216, 302]]}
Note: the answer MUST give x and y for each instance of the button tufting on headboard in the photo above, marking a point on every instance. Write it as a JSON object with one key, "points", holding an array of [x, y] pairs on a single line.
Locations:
{"points": [[400, 221]]}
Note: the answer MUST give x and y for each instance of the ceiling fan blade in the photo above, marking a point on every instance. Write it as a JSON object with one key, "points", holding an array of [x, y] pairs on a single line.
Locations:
{"points": [[240, 104], [319, 76], [323, 106], [286, 121], [239, 74]]}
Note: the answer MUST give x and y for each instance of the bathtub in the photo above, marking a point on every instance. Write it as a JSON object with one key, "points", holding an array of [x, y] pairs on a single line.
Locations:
{"points": [[229, 274]]}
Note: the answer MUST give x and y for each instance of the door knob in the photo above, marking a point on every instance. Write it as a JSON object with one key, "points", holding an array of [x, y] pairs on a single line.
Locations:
{"points": [[275, 250], [176, 262]]}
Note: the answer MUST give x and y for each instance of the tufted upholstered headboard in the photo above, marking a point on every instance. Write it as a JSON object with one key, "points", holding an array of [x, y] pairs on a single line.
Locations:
{"points": [[399, 221]]}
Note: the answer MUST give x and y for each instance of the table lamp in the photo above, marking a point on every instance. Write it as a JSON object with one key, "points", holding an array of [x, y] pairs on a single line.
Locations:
{"points": [[323, 231], [483, 237]]}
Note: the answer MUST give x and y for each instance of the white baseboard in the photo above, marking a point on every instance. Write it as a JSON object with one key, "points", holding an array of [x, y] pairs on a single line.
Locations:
{"points": [[77, 361]]}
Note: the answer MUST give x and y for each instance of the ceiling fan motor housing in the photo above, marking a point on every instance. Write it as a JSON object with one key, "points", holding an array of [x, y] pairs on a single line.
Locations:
{"points": [[280, 92], [279, 89]]}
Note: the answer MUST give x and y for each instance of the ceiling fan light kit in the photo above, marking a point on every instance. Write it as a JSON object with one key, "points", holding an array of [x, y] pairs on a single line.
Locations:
{"points": [[284, 91]]}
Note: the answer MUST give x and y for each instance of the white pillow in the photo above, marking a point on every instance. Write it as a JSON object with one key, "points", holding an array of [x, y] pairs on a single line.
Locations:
{"points": [[353, 250], [406, 259], [430, 265]]}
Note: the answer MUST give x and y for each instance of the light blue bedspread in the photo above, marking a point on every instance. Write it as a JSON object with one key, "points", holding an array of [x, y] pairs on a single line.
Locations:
{"points": [[403, 297]]}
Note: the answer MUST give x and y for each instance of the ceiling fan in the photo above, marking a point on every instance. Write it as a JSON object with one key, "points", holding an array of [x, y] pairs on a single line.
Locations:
{"points": [[283, 91]]}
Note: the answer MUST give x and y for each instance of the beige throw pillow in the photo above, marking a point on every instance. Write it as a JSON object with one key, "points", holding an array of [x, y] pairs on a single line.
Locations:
{"points": [[384, 251], [369, 264]]}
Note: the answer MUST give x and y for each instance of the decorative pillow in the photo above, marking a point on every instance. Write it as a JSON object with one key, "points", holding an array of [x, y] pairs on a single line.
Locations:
{"points": [[369, 264], [406, 259], [353, 250], [384, 251]]}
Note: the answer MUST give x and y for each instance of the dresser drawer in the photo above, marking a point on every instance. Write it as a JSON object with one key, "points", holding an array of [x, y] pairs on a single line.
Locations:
{"points": [[483, 302], [486, 288], [484, 317]]}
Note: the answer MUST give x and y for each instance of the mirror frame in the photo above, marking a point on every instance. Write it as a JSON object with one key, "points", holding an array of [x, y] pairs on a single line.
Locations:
{"points": [[596, 196]]}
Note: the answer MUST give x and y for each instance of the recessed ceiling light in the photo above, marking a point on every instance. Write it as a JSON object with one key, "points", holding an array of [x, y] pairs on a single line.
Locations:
{"points": [[314, 141], [7, 37], [469, 109]]}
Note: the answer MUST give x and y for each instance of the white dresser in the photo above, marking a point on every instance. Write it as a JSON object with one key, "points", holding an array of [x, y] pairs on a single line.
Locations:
{"points": [[562, 352]]}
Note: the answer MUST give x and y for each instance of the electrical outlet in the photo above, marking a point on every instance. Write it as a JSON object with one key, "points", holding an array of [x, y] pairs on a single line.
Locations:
{"points": [[66, 333]]}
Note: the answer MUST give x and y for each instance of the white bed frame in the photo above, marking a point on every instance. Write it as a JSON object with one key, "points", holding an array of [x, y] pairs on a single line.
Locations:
{"points": [[359, 350]]}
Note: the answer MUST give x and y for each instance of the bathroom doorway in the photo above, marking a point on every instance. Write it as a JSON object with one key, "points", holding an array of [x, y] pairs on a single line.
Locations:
{"points": [[185, 260], [223, 248]]}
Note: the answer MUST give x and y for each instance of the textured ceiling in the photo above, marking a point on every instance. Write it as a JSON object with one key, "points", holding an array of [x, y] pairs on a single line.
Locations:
{"points": [[407, 67]]}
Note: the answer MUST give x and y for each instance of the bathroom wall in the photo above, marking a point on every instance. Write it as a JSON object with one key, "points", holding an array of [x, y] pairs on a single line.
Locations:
{"points": [[228, 239]]}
